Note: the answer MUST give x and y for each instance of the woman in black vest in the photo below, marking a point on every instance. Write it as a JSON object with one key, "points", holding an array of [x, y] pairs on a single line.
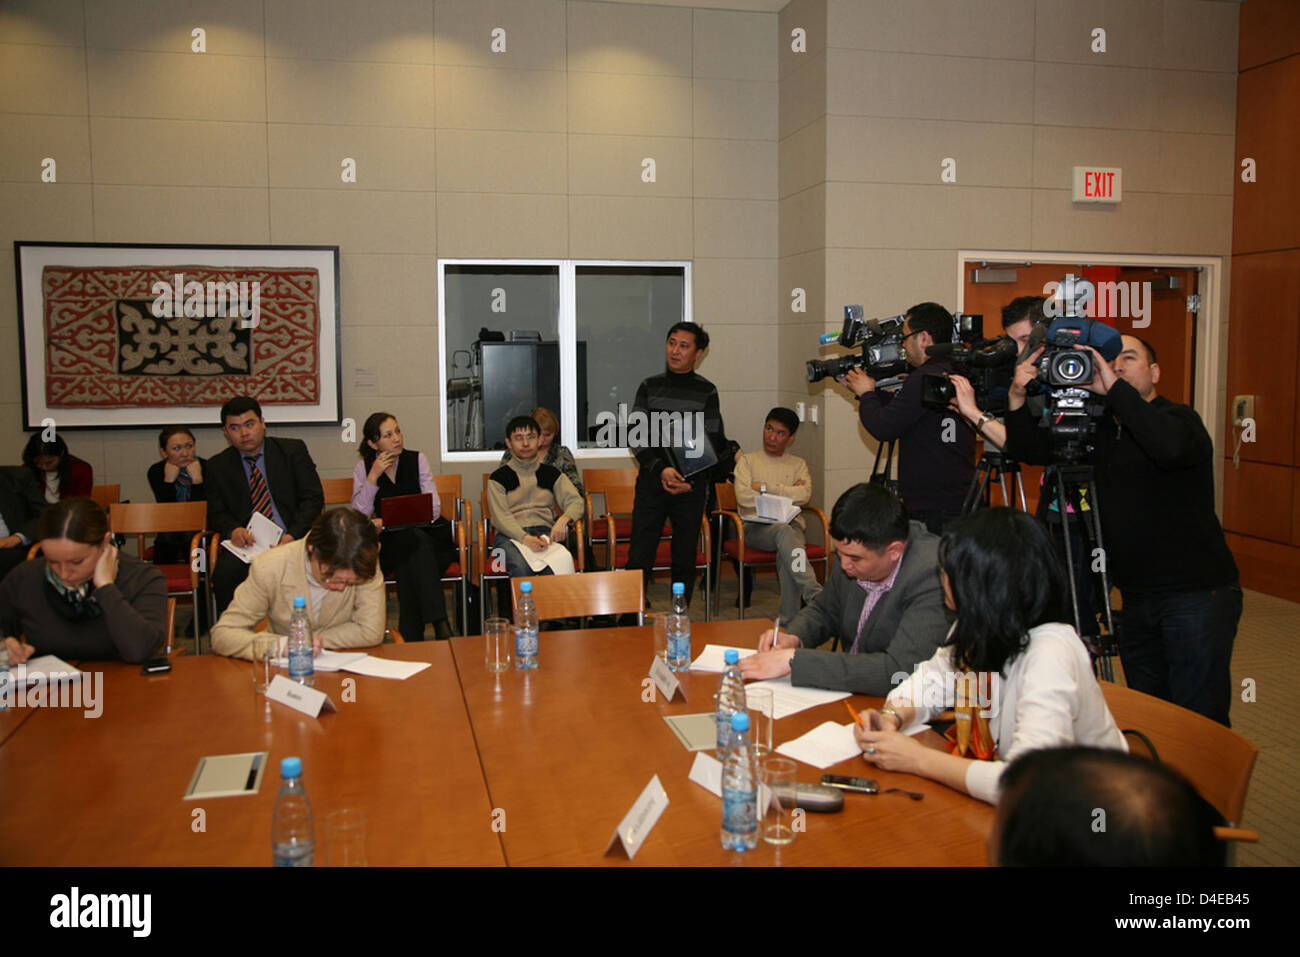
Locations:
{"points": [[416, 558]]}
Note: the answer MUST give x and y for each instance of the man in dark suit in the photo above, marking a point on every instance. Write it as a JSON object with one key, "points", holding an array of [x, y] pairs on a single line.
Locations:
{"points": [[21, 504], [883, 599], [273, 476]]}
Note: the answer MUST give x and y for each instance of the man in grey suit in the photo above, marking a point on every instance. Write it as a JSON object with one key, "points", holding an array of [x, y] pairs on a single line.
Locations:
{"points": [[883, 599]]}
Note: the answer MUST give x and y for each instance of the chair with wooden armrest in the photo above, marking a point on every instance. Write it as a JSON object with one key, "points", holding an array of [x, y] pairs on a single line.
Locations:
{"points": [[582, 596]]}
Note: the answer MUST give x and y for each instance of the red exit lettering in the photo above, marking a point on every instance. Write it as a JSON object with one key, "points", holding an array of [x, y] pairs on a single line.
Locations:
{"points": [[1101, 185]]}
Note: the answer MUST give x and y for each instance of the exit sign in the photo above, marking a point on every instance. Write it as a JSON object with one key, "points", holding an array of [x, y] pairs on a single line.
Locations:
{"points": [[1097, 184]]}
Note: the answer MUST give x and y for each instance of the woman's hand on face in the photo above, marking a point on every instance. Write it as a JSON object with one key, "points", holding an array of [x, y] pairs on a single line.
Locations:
{"points": [[196, 472], [170, 472], [383, 462], [106, 567]]}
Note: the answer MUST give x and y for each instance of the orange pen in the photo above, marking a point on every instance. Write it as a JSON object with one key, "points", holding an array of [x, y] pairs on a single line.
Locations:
{"points": [[856, 717]]}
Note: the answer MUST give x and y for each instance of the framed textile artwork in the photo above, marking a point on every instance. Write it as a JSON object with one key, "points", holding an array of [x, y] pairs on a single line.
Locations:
{"points": [[120, 336]]}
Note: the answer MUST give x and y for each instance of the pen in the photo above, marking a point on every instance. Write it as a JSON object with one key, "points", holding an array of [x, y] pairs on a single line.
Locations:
{"points": [[856, 716], [252, 772], [776, 629]]}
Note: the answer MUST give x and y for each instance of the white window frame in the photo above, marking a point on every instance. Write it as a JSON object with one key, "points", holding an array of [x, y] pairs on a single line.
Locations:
{"points": [[566, 334]]}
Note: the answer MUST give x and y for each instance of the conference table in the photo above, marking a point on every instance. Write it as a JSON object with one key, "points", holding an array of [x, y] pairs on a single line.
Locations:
{"points": [[453, 766]]}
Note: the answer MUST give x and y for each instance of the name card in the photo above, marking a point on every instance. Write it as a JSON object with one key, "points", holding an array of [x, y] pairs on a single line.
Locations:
{"points": [[665, 680], [707, 773], [299, 697], [637, 824]]}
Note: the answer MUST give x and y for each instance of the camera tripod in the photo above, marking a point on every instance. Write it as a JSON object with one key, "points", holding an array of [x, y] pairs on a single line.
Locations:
{"points": [[994, 465]]}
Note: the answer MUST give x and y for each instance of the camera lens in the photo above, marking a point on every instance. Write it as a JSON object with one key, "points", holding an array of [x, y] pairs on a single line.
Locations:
{"points": [[1071, 367]]}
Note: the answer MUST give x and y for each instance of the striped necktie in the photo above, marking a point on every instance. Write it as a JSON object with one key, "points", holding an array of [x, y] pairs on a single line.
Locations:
{"points": [[257, 487]]}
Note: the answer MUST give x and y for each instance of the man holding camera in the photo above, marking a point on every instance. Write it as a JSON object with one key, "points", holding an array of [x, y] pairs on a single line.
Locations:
{"points": [[1153, 467], [936, 454], [1018, 319]]}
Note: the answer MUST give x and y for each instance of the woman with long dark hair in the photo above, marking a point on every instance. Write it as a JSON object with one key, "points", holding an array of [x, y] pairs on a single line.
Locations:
{"points": [[58, 473], [80, 598], [1016, 674], [417, 558], [176, 477]]}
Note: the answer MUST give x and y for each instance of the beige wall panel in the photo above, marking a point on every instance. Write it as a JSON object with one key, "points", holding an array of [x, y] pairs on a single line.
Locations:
{"points": [[178, 152], [524, 100], [333, 457], [183, 86], [734, 290], [861, 83], [1194, 224], [535, 34], [803, 157], [880, 150], [744, 229], [802, 221], [496, 226], [742, 358], [735, 45], [798, 344], [742, 414], [29, 138], [839, 481], [379, 289], [1201, 34], [501, 162], [806, 271], [123, 456], [801, 94], [44, 22], [362, 94], [887, 282], [233, 27], [1058, 149], [1195, 102], [1058, 223], [381, 31], [1197, 163], [860, 215], [181, 214], [631, 104], [1063, 29], [991, 28], [311, 156], [616, 227], [612, 165], [629, 39], [362, 220], [417, 414], [846, 439], [37, 79], [735, 169], [808, 16], [48, 212], [406, 355], [1096, 96]]}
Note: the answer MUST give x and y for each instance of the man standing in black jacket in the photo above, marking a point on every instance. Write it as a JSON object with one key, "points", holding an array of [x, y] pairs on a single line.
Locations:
{"points": [[662, 490], [1153, 463]]}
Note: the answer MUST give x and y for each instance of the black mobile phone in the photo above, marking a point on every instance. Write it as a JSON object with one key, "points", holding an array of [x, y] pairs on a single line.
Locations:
{"points": [[858, 785], [155, 666]]}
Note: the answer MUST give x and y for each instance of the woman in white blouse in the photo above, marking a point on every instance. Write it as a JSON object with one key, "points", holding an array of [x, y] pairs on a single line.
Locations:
{"points": [[1028, 672]]}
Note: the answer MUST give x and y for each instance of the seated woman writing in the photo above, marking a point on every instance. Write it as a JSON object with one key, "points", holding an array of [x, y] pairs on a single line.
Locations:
{"points": [[1017, 676], [335, 568], [81, 599]]}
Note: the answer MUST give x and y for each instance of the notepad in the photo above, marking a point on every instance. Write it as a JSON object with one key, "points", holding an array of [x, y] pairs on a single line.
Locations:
{"points": [[266, 535], [774, 509], [696, 732], [227, 775], [327, 660], [828, 743], [788, 700], [712, 657], [386, 667], [43, 668]]}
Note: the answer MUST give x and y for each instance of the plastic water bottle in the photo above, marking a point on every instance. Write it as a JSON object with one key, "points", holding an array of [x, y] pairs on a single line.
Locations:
{"points": [[679, 631], [302, 668], [731, 699], [293, 832], [739, 790], [526, 629]]}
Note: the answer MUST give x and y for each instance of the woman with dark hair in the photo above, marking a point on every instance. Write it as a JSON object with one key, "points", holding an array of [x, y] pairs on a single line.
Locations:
{"points": [[80, 599], [1016, 675], [177, 477], [335, 568], [549, 452], [58, 473], [417, 558]]}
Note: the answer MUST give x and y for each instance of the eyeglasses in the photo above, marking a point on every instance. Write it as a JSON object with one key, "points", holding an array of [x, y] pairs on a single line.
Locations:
{"points": [[914, 332]]}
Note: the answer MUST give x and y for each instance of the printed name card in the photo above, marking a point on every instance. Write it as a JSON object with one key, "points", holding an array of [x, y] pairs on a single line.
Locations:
{"points": [[637, 824], [664, 679], [299, 697]]}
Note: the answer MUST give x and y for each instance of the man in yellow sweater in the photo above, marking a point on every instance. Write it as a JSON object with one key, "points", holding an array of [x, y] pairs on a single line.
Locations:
{"points": [[775, 472]]}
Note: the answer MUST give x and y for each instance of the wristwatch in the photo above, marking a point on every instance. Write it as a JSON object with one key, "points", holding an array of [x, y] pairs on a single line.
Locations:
{"points": [[762, 488], [889, 709], [984, 420]]}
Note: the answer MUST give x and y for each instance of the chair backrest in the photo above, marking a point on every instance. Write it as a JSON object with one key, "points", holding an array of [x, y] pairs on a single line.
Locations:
{"points": [[597, 480], [448, 492], [150, 518], [726, 492], [619, 500], [105, 495], [1216, 759], [338, 491], [590, 593]]}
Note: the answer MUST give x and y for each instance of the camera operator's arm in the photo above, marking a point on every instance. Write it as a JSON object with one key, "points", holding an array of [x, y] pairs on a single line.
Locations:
{"points": [[1172, 435], [993, 431], [888, 417], [1026, 442]]}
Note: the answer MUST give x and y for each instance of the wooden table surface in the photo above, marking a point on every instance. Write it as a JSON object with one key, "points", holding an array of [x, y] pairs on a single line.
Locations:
{"points": [[108, 790], [566, 750]]}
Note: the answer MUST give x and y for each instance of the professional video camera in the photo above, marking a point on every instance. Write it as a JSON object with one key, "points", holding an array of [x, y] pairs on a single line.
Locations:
{"points": [[882, 348], [989, 364]]}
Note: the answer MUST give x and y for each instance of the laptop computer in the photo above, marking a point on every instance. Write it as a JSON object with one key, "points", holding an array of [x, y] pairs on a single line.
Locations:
{"points": [[401, 511]]}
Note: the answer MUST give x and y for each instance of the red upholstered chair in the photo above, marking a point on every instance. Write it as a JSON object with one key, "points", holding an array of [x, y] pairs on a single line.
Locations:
{"points": [[618, 503]]}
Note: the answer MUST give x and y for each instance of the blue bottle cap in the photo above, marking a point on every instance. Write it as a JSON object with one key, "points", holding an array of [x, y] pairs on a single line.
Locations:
{"points": [[731, 656], [299, 602], [679, 588], [292, 767], [525, 587], [739, 722]]}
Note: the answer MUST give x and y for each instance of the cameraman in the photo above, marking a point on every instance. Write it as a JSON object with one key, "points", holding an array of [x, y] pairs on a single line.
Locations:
{"points": [[936, 456], [1018, 318], [1154, 477]]}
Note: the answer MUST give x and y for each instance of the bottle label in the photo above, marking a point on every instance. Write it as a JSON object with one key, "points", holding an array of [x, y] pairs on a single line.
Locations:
{"points": [[525, 643], [739, 810], [300, 662]]}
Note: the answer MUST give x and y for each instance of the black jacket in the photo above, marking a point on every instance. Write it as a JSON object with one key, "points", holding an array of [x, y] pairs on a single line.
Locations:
{"points": [[290, 475]]}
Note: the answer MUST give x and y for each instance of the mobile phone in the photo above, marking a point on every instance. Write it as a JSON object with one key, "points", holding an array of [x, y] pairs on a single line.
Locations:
{"points": [[857, 785], [155, 666]]}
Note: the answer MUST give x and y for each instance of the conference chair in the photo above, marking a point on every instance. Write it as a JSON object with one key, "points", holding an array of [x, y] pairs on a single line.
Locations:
{"points": [[105, 495], [169, 637], [582, 596], [183, 579], [618, 501], [745, 556], [597, 482], [460, 512], [338, 491], [1216, 759]]}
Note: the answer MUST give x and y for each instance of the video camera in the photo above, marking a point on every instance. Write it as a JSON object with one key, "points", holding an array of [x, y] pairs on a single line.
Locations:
{"points": [[989, 364], [882, 355]]}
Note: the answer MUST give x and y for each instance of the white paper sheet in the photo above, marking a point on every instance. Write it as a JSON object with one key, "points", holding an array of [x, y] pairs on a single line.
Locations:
{"points": [[711, 658], [385, 667], [828, 743], [43, 668], [266, 535], [788, 700], [774, 509], [327, 660], [554, 556]]}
